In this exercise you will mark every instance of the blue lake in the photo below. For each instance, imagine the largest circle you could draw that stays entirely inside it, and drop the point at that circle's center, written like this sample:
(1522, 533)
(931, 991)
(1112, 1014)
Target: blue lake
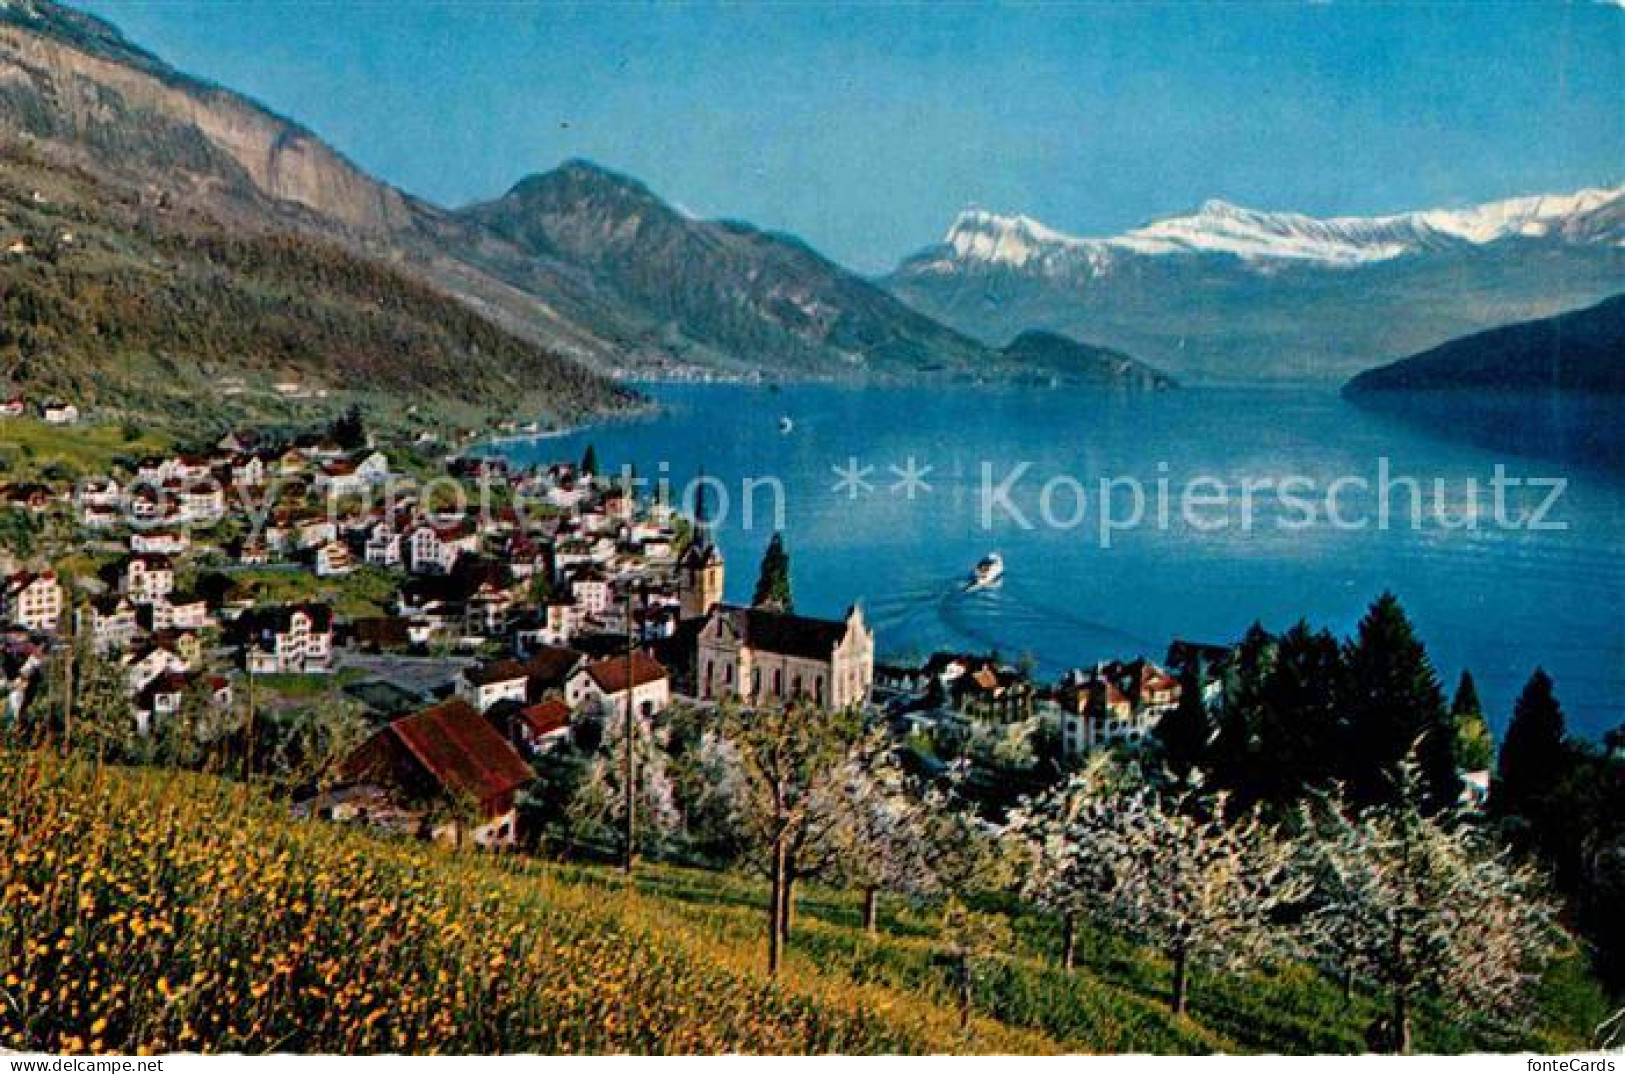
(1499, 597)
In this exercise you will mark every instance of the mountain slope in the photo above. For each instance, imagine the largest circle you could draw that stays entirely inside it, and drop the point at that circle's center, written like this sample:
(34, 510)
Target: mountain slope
(1579, 351)
(1233, 293)
(678, 298)
(75, 93)
(1067, 359)
(732, 294)
(117, 302)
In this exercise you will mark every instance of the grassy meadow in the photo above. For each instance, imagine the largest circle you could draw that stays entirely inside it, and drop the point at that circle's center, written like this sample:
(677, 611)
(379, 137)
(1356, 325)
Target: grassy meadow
(151, 911)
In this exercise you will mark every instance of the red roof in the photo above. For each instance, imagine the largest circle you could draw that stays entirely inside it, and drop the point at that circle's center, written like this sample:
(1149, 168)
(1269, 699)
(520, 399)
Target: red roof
(610, 674)
(462, 750)
(547, 717)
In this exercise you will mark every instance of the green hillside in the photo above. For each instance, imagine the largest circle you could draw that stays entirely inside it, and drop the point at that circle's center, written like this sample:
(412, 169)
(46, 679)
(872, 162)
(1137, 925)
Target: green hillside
(131, 303)
(146, 910)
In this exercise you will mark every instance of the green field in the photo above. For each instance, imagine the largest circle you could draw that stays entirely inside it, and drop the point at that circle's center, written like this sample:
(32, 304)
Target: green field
(29, 448)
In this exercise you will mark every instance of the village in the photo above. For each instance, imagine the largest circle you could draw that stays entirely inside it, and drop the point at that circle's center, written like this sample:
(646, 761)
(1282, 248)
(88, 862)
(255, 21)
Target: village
(478, 619)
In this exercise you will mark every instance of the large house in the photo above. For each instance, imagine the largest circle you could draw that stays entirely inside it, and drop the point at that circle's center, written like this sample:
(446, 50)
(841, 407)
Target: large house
(55, 412)
(343, 477)
(34, 600)
(487, 684)
(433, 549)
(604, 685)
(110, 622)
(762, 656)
(448, 754)
(1113, 703)
(290, 639)
(147, 577)
(163, 695)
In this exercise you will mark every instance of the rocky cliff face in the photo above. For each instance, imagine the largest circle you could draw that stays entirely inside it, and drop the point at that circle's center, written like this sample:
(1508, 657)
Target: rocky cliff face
(115, 108)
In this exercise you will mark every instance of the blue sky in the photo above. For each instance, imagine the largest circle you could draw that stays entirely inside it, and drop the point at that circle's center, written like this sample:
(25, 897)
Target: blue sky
(865, 128)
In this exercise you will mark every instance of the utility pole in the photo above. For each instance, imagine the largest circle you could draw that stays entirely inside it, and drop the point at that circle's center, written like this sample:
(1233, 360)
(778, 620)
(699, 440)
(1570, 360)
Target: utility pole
(630, 760)
(70, 652)
(248, 752)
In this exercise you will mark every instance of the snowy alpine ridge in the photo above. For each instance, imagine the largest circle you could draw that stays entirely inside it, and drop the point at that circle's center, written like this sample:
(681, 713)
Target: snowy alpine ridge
(1590, 217)
(1236, 294)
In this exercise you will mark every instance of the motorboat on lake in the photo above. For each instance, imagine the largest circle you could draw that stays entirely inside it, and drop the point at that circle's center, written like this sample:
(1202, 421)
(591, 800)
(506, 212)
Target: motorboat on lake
(988, 573)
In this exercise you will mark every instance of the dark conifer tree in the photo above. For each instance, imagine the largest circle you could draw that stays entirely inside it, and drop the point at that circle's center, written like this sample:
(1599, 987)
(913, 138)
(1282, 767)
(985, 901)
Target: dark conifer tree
(1300, 730)
(589, 461)
(349, 430)
(773, 581)
(1475, 746)
(1234, 755)
(1185, 733)
(1395, 708)
(1534, 756)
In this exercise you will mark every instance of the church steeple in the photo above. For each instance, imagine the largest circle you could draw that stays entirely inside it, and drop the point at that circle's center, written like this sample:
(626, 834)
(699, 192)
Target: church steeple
(700, 572)
(702, 528)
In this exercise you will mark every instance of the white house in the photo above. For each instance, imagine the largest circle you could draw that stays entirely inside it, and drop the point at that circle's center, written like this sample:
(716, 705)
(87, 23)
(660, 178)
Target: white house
(334, 559)
(435, 549)
(204, 501)
(110, 622)
(101, 492)
(141, 668)
(383, 546)
(487, 684)
(160, 542)
(294, 638)
(602, 686)
(591, 592)
(59, 413)
(344, 477)
(34, 600)
(148, 577)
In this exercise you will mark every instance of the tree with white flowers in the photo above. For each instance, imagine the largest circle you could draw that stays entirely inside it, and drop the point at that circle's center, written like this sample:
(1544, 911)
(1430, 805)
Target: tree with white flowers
(598, 803)
(797, 763)
(1418, 902)
(1181, 875)
(883, 846)
(1054, 876)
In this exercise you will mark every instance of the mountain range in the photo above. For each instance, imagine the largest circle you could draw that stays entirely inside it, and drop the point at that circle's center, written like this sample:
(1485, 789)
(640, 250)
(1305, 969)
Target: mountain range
(1229, 293)
(726, 295)
(585, 264)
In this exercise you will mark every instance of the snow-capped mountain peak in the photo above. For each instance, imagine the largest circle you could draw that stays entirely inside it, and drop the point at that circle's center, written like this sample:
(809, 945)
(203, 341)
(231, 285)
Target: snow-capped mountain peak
(977, 235)
(1217, 227)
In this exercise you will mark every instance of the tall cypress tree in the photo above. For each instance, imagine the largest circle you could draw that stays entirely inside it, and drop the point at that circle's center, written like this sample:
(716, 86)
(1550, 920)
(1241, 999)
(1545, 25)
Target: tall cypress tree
(1394, 709)
(773, 581)
(1475, 746)
(1300, 730)
(1534, 757)
(589, 461)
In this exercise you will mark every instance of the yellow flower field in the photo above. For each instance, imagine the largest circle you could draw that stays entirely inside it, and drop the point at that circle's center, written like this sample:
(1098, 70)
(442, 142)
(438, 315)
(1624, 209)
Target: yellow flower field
(153, 912)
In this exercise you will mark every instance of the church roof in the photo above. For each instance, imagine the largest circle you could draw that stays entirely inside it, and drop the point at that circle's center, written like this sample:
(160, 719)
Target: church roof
(784, 633)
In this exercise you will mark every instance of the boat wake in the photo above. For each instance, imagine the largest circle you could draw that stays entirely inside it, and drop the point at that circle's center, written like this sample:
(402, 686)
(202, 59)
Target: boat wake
(949, 615)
